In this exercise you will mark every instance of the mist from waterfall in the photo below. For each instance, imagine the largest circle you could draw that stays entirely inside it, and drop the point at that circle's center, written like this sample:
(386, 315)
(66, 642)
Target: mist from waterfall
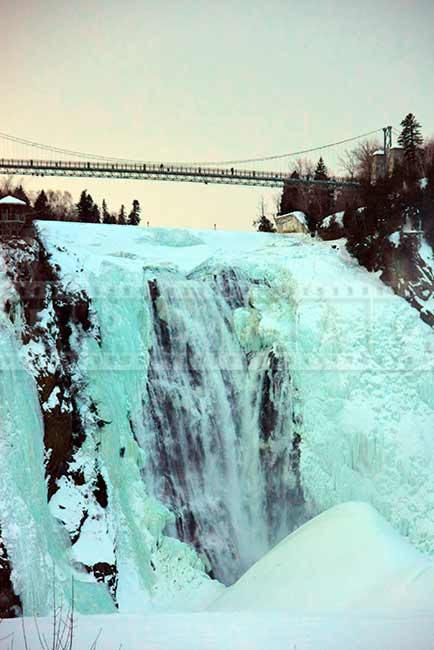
(219, 427)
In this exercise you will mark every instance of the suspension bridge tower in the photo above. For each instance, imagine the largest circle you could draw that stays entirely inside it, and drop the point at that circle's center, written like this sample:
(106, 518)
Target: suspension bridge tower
(387, 146)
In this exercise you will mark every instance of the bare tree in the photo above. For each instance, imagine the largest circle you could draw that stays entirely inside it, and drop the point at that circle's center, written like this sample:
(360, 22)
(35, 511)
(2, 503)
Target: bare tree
(349, 163)
(62, 205)
(358, 162)
(303, 166)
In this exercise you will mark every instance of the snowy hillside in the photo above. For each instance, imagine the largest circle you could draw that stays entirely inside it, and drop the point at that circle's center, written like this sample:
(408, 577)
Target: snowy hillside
(210, 387)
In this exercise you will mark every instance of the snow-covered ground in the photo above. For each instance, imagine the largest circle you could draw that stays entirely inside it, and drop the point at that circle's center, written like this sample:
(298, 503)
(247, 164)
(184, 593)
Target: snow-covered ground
(347, 558)
(343, 581)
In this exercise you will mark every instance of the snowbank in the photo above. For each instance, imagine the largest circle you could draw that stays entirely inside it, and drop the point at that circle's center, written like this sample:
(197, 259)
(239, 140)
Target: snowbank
(344, 581)
(347, 557)
(241, 631)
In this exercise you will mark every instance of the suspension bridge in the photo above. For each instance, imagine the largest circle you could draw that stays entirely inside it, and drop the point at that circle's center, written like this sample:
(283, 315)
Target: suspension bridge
(22, 157)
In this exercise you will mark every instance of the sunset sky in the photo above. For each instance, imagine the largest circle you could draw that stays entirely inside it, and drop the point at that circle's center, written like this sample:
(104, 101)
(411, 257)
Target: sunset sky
(208, 81)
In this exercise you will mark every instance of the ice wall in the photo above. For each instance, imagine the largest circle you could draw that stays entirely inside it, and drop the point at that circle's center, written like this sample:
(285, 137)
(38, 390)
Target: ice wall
(228, 387)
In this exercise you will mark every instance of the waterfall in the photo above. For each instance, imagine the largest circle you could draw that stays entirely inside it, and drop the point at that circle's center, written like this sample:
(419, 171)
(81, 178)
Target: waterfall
(219, 402)
(220, 431)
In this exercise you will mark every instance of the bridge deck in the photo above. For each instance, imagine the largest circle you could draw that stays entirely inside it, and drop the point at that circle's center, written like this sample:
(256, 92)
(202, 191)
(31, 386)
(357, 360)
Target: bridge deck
(160, 172)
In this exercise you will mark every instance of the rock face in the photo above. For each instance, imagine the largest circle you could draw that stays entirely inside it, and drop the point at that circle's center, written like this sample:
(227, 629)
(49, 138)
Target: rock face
(10, 603)
(410, 272)
(332, 227)
(407, 264)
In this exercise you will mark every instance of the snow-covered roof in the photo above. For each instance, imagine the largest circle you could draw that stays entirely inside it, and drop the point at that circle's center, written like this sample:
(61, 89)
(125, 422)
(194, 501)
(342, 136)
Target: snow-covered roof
(300, 216)
(11, 200)
(379, 152)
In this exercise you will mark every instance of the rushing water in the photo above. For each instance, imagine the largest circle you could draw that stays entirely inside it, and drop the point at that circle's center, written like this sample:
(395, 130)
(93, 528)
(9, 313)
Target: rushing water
(220, 425)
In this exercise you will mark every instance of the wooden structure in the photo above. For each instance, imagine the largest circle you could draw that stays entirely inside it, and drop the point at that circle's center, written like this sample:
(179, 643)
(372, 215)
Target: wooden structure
(15, 217)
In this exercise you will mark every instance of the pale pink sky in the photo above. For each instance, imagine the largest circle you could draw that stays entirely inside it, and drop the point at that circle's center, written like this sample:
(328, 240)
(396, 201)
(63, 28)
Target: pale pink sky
(208, 81)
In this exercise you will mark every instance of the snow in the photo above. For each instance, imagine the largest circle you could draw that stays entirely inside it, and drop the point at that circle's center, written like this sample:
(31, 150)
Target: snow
(242, 631)
(394, 238)
(337, 217)
(300, 216)
(344, 580)
(53, 399)
(348, 557)
(11, 200)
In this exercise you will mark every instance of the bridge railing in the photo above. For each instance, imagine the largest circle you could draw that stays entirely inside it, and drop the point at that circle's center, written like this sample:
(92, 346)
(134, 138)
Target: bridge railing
(162, 169)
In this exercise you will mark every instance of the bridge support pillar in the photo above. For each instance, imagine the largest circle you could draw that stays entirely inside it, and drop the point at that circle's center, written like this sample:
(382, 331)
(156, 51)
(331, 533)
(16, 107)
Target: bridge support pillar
(387, 132)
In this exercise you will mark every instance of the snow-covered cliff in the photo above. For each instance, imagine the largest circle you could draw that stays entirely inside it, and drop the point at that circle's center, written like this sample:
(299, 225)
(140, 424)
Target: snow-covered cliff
(209, 387)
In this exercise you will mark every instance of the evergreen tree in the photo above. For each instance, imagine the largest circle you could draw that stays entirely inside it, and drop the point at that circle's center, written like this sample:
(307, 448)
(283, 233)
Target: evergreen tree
(321, 173)
(42, 207)
(263, 224)
(106, 216)
(19, 193)
(95, 214)
(121, 217)
(85, 211)
(411, 140)
(134, 216)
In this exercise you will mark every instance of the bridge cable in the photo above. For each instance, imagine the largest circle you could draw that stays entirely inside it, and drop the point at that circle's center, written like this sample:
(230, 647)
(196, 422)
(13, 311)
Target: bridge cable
(53, 149)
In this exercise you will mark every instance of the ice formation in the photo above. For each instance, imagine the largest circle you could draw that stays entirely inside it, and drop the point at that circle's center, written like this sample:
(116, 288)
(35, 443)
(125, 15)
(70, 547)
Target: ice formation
(227, 387)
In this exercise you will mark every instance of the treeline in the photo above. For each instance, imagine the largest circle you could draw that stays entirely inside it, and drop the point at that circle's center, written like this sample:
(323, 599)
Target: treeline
(87, 211)
(402, 203)
(359, 165)
(55, 205)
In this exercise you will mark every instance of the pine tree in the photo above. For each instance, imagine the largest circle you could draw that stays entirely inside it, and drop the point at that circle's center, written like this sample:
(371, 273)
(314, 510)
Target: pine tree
(106, 216)
(42, 207)
(121, 217)
(411, 140)
(134, 216)
(19, 193)
(85, 211)
(95, 214)
(321, 173)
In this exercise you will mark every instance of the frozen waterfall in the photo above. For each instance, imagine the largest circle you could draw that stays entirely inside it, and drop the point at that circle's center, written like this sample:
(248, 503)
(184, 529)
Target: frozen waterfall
(183, 400)
(218, 424)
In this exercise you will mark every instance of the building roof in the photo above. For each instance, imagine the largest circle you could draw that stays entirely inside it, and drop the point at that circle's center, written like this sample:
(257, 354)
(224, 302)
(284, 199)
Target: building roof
(11, 200)
(297, 214)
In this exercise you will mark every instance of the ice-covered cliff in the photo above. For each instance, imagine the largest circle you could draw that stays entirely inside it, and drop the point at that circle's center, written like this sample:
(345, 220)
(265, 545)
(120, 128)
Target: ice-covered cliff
(209, 387)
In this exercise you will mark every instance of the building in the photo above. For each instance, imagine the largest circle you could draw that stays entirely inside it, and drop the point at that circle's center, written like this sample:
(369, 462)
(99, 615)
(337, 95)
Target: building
(292, 222)
(15, 217)
(395, 158)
